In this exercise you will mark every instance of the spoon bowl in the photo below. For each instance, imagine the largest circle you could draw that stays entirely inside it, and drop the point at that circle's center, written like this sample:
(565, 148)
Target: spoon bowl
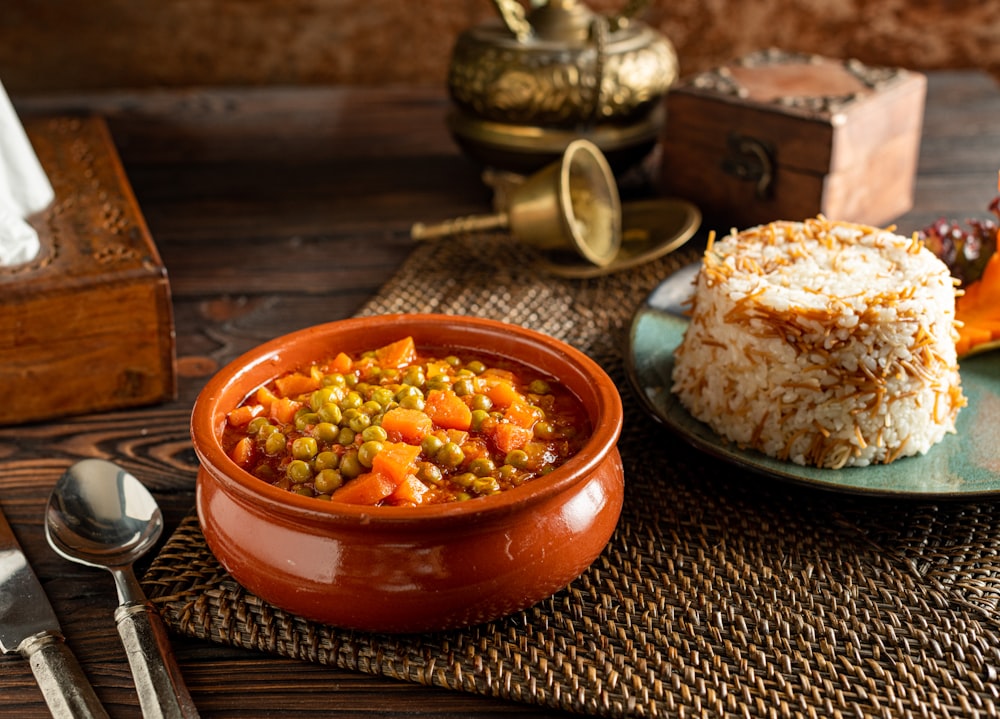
(102, 519)
(101, 516)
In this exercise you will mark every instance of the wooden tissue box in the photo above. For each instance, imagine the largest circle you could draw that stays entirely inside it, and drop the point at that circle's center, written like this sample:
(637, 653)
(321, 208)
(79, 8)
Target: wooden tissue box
(87, 325)
(782, 136)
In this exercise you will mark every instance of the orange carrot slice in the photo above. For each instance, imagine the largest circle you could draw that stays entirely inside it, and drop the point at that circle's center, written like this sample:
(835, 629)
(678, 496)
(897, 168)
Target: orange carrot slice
(397, 354)
(396, 461)
(407, 425)
(446, 409)
(369, 489)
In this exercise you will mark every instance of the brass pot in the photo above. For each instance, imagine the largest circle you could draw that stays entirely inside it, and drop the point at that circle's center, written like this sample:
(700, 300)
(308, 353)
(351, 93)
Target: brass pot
(527, 84)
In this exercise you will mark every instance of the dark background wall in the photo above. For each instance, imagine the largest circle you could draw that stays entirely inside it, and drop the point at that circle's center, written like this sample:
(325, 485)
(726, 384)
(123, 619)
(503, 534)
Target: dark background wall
(68, 45)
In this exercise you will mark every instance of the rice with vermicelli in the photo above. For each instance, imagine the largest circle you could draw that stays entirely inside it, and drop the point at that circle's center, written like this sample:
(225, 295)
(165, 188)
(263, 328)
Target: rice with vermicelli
(822, 343)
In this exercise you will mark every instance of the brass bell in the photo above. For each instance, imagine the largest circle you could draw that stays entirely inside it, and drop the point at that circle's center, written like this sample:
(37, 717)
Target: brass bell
(570, 204)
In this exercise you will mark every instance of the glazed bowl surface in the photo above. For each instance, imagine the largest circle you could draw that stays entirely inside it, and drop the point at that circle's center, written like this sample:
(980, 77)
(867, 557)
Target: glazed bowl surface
(410, 569)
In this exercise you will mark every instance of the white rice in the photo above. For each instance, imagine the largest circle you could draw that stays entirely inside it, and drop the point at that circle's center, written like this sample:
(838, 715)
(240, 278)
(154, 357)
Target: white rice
(822, 343)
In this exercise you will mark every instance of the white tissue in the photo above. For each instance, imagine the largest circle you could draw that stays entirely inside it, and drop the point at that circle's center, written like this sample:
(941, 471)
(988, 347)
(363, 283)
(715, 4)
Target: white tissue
(24, 188)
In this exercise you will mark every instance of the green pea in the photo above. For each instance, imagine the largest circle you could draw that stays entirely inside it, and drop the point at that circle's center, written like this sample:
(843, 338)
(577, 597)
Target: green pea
(298, 471)
(478, 417)
(539, 386)
(429, 473)
(322, 396)
(482, 467)
(464, 480)
(334, 379)
(326, 460)
(482, 401)
(371, 408)
(359, 423)
(275, 444)
(327, 480)
(367, 452)
(352, 400)
(383, 396)
(304, 448)
(485, 485)
(414, 376)
(350, 466)
(346, 436)
(517, 458)
(431, 445)
(266, 430)
(450, 455)
(439, 381)
(330, 412)
(545, 430)
(412, 401)
(453, 361)
(326, 432)
(463, 386)
(476, 367)
(305, 419)
(253, 427)
(375, 433)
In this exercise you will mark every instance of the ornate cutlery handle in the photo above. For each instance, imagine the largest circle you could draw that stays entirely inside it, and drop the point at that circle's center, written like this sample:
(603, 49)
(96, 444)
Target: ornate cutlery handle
(158, 680)
(67, 692)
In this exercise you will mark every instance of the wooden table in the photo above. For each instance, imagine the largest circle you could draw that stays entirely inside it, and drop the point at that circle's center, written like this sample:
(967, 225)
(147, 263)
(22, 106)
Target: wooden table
(275, 209)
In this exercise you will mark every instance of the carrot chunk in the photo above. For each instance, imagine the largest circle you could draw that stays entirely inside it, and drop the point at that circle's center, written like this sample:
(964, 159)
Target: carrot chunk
(283, 410)
(369, 488)
(446, 409)
(407, 425)
(508, 437)
(411, 492)
(295, 384)
(341, 363)
(242, 453)
(521, 413)
(396, 460)
(397, 354)
(500, 390)
(241, 416)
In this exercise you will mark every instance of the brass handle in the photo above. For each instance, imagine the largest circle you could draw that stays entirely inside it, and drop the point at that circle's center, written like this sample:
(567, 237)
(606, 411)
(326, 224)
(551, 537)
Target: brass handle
(513, 16)
(750, 159)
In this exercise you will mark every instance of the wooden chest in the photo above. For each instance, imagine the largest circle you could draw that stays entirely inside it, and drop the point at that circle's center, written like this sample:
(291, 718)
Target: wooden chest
(87, 325)
(782, 136)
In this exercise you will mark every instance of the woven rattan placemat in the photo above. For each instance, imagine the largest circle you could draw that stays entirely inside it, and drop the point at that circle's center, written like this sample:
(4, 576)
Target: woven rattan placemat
(720, 594)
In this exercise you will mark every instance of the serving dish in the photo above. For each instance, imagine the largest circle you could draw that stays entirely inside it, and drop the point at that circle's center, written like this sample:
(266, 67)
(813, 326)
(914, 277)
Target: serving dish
(410, 569)
(962, 465)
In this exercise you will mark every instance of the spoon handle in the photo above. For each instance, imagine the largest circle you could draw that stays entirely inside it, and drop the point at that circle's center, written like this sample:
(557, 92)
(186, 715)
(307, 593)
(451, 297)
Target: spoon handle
(158, 680)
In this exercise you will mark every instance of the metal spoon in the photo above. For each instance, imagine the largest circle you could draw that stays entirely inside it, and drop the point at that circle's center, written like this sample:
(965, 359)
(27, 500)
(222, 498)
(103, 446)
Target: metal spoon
(102, 516)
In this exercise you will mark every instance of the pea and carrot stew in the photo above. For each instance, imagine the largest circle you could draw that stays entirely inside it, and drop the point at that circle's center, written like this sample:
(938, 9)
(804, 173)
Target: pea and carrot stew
(395, 426)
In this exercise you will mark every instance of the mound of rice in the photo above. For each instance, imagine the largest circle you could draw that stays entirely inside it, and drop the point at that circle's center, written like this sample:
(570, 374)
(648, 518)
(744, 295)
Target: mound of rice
(822, 343)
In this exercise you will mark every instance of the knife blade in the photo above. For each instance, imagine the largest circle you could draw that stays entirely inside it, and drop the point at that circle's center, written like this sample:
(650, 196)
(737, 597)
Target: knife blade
(29, 627)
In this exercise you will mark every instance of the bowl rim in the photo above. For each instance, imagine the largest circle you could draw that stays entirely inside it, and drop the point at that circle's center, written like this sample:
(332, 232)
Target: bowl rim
(606, 421)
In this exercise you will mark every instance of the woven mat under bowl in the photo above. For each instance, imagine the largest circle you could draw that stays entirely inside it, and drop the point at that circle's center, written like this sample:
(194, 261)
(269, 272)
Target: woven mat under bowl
(720, 594)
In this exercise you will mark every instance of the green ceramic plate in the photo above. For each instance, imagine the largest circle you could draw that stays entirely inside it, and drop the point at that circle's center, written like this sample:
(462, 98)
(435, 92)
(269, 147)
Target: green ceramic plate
(965, 464)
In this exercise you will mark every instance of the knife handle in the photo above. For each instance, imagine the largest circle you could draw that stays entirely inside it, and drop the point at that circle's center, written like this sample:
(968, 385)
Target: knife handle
(65, 687)
(158, 680)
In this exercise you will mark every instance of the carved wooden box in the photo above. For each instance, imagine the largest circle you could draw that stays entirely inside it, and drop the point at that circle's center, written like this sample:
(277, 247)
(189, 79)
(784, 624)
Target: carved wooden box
(87, 325)
(781, 136)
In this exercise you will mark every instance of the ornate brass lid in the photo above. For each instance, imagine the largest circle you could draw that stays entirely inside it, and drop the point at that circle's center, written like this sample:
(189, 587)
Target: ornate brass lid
(526, 84)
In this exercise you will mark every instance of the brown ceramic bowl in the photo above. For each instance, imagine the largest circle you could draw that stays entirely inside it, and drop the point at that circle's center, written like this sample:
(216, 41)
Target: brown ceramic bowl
(408, 569)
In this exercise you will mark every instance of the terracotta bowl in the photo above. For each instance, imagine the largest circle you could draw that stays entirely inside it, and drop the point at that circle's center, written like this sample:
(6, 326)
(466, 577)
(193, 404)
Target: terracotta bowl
(409, 569)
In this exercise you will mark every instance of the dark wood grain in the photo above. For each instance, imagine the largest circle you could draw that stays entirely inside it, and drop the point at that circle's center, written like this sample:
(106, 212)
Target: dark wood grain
(274, 210)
